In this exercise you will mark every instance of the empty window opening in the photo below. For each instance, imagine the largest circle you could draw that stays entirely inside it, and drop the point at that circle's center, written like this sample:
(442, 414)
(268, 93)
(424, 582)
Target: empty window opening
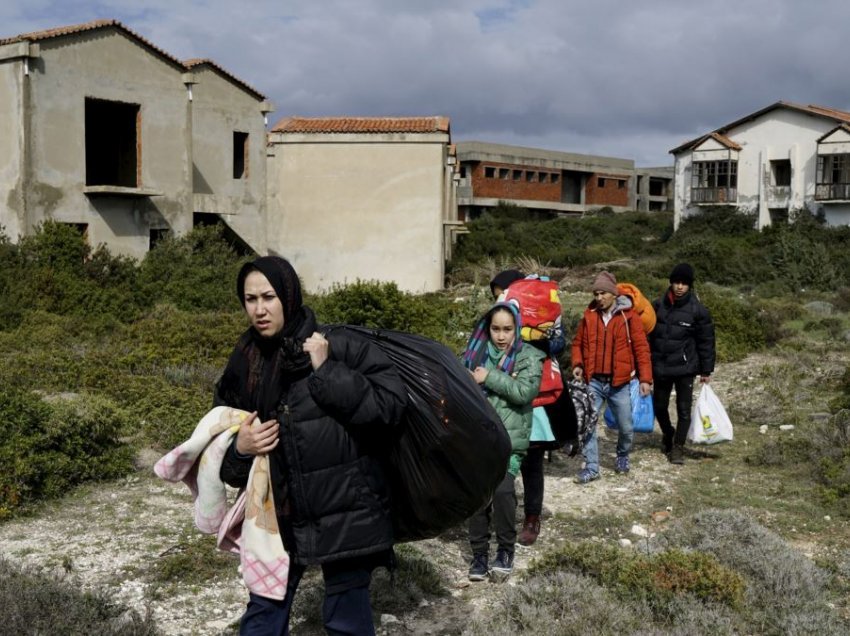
(600, 182)
(778, 215)
(157, 236)
(517, 175)
(504, 173)
(542, 177)
(780, 172)
(555, 177)
(490, 172)
(531, 176)
(657, 187)
(112, 143)
(621, 184)
(463, 172)
(240, 155)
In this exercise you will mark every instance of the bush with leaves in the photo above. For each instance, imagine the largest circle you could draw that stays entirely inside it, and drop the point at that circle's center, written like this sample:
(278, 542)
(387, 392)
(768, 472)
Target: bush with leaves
(194, 272)
(47, 448)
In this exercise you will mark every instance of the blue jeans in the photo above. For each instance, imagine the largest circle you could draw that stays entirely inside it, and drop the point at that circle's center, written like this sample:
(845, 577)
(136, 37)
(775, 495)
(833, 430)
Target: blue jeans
(620, 402)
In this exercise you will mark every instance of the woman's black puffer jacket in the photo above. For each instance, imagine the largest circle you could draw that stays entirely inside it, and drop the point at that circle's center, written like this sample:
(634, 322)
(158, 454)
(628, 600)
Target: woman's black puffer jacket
(682, 342)
(335, 424)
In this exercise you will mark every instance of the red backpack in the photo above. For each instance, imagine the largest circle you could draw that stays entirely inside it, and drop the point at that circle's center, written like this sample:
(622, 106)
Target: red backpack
(540, 311)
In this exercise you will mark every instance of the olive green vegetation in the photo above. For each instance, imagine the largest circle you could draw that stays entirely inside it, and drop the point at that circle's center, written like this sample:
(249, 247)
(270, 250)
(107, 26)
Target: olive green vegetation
(34, 603)
(101, 355)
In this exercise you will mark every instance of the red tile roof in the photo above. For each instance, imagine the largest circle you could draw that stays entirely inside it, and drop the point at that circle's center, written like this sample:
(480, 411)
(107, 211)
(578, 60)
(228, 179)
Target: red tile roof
(74, 29)
(94, 25)
(198, 61)
(839, 116)
(353, 125)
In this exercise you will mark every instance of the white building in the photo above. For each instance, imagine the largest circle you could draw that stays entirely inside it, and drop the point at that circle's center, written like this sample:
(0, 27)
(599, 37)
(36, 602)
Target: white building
(778, 160)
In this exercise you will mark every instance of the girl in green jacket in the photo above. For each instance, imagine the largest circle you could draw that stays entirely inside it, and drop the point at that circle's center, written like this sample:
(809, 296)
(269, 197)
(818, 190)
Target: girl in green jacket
(510, 376)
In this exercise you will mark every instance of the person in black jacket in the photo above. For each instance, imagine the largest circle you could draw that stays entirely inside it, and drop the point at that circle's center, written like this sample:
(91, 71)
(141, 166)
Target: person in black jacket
(682, 345)
(325, 407)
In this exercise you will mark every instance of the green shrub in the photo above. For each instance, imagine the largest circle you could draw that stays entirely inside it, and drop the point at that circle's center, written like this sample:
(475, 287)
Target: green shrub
(194, 272)
(649, 577)
(383, 305)
(738, 326)
(49, 447)
(34, 603)
(830, 454)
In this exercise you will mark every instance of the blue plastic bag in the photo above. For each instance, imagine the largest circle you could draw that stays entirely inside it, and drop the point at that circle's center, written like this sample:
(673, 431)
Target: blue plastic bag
(643, 415)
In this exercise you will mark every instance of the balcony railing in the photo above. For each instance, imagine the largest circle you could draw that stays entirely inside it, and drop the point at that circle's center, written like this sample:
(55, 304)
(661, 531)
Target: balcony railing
(714, 195)
(832, 191)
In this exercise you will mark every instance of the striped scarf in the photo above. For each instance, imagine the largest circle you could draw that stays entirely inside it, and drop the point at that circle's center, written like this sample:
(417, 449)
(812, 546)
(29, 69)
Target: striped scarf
(476, 352)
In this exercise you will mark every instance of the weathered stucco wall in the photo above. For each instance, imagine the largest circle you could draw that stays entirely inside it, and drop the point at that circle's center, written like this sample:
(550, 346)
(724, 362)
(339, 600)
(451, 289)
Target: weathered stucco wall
(11, 147)
(373, 211)
(108, 65)
(220, 108)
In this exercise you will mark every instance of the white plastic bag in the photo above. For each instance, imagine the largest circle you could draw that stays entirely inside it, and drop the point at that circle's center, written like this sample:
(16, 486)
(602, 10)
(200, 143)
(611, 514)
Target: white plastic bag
(709, 422)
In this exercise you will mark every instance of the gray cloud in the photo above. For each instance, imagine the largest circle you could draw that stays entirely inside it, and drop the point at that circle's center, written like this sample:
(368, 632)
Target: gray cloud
(629, 79)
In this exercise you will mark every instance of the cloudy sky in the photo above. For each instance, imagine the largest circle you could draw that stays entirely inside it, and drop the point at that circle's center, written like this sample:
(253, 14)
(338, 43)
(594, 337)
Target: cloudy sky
(625, 78)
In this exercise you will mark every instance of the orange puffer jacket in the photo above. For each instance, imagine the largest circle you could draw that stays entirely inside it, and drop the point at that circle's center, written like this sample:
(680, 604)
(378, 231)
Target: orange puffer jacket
(617, 349)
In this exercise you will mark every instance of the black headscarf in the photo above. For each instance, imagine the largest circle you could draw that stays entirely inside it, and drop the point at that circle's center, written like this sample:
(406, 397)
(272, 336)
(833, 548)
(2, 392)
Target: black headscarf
(502, 280)
(260, 368)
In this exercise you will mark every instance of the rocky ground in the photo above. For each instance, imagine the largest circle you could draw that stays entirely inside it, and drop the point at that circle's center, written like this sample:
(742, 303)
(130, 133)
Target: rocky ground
(107, 536)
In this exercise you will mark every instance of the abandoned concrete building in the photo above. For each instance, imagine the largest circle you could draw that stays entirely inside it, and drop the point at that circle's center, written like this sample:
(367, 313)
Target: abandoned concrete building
(103, 130)
(368, 198)
(773, 162)
(559, 182)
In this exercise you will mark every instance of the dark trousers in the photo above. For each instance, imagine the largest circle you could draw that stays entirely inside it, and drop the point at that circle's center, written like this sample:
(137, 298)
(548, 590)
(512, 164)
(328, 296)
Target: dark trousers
(346, 610)
(502, 512)
(662, 388)
(532, 480)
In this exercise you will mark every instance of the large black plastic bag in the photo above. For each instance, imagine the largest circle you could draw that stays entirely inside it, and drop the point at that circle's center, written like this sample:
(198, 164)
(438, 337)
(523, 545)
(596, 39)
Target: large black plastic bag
(452, 449)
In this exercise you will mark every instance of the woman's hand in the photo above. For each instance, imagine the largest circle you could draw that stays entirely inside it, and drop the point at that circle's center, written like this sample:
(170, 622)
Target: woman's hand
(578, 373)
(480, 374)
(257, 438)
(317, 346)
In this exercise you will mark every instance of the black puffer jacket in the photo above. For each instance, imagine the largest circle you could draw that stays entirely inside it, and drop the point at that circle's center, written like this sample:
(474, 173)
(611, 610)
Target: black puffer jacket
(682, 342)
(327, 473)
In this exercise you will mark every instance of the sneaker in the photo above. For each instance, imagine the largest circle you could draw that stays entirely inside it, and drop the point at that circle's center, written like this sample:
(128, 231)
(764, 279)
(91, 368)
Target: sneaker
(530, 530)
(478, 569)
(503, 564)
(677, 455)
(585, 476)
(622, 465)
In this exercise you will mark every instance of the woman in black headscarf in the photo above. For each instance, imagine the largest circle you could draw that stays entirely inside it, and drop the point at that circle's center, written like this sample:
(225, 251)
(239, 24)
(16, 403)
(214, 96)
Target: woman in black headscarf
(325, 406)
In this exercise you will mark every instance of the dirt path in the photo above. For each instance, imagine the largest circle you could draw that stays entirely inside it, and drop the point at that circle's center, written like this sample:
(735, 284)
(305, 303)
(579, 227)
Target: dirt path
(107, 536)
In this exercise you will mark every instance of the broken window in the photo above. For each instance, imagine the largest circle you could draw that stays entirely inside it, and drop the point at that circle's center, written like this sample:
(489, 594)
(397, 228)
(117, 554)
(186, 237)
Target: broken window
(112, 143)
(833, 179)
(780, 172)
(714, 181)
(240, 155)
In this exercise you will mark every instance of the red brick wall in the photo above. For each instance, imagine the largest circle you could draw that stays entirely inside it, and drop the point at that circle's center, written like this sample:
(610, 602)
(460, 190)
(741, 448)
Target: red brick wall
(499, 187)
(614, 191)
